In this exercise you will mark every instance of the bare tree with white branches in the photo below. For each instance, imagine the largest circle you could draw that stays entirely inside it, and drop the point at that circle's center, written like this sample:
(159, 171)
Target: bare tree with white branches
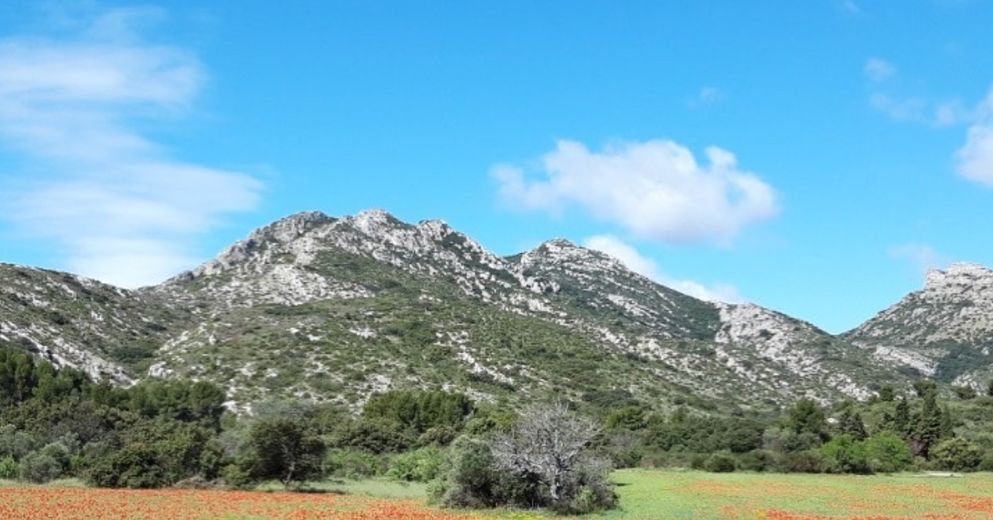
(549, 441)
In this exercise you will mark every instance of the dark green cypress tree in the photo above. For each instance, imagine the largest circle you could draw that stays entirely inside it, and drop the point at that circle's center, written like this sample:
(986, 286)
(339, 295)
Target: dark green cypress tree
(853, 425)
(927, 429)
(901, 417)
(947, 425)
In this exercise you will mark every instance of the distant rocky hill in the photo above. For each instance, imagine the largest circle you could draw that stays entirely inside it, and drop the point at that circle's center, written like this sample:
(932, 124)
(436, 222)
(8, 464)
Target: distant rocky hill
(944, 331)
(337, 308)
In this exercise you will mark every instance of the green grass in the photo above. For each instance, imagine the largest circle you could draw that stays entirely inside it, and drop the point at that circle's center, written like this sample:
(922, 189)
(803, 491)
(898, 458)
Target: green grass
(693, 495)
(62, 482)
(650, 494)
(375, 488)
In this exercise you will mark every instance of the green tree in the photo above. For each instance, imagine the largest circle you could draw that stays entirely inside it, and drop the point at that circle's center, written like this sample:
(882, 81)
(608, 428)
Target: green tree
(901, 417)
(965, 393)
(928, 425)
(806, 416)
(843, 454)
(627, 418)
(850, 423)
(957, 455)
(888, 453)
(285, 450)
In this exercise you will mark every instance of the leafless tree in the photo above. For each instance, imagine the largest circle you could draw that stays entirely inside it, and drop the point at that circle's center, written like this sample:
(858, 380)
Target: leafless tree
(548, 441)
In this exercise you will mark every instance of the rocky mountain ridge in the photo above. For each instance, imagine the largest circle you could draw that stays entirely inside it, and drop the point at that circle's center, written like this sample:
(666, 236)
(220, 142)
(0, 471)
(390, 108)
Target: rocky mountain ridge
(944, 331)
(329, 308)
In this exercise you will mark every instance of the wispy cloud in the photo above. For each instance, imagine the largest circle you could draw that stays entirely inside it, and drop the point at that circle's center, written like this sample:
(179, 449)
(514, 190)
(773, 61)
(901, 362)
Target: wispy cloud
(706, 96)
(879, 70)
(72, 109)
(882, 77)
(974, 159)
(648, 268)
(922, 257)
(654, 189)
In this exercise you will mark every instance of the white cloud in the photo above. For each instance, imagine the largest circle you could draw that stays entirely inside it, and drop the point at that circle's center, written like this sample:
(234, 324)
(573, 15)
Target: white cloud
(122, 208)
(654, 189)
(900, 109)
(921, 256)
(975, 158)
(878, 69)
(707, 96)
(905, 108)
(647, 267)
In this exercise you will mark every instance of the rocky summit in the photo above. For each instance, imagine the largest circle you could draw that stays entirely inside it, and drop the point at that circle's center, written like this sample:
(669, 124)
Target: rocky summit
(944, 331)
(335, 309)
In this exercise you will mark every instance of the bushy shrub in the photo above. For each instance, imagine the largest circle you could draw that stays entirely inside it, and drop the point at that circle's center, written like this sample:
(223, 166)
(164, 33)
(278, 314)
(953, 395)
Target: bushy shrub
(956, 454)
(283, 449)
(437, 436)
(987, 463)
(888, 453)
(758, 461)
(472, 481)
(843, 454)
(589, 488)
(132, 466)
(355, 464)
(8, 468)
(16, 444)
(783, 440)
(422, 465)
(720, 463)
(809, 461)
(39, 467)
(375, 435)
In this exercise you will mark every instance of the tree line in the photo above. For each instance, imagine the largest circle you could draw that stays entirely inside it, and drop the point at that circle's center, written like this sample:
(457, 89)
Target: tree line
(58, 423)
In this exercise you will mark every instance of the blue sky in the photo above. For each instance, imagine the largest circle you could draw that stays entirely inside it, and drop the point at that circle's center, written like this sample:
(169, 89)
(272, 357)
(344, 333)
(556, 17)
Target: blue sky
(813, 157)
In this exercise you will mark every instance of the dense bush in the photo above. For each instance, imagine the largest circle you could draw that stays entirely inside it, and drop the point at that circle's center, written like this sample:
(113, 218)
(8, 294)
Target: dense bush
(809, 461)
(40, 467)
(354, 464)
(720, 463)
(421, 465)
(420, 410)
(758, 461)
(8, 468)
(957, 454)
(888, 453)
(283, 449)
(844, 454)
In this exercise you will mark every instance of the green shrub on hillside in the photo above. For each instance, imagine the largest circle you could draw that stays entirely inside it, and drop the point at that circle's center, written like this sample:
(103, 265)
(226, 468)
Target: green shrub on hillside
(720, 463)
(956, 454)
(888, 453)
(844, 454)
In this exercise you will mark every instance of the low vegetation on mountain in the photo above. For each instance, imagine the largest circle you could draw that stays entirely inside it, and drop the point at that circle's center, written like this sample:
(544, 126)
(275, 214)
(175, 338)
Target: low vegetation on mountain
(337, 309)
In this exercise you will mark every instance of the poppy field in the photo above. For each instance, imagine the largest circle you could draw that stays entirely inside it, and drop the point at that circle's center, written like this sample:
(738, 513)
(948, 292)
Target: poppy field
(645, 494)
(76, 503)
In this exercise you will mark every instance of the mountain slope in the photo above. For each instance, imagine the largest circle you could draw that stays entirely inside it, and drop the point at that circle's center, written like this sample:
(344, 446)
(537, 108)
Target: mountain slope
(335, 308)
(110, 333)
(943, 331)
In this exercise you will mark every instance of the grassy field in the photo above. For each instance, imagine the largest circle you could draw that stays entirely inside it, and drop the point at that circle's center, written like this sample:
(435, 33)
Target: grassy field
(704, 496)
(644, 495)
